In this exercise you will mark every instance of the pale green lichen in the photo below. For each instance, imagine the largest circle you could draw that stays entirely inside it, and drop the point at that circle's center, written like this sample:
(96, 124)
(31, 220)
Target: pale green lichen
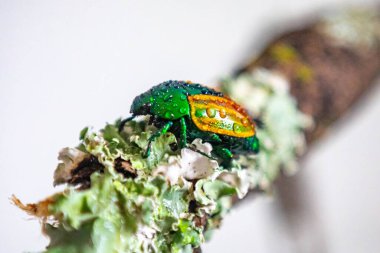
(353, 27)
(148, 213)
(266, 96)
(286, 54)
(175, 199)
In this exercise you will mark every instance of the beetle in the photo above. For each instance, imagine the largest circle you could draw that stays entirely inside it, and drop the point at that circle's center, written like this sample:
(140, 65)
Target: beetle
(193, 111)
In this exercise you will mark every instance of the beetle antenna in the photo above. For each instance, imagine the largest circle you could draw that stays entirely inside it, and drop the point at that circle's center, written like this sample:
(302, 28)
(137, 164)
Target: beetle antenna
(124, 121)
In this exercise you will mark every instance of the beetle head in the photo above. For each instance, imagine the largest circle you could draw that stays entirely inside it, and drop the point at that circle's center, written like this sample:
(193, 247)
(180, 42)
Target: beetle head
(250, 145)
(141, 104)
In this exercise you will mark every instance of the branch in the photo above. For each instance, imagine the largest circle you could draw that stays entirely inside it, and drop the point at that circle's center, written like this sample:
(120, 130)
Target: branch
(326, 75)
(119, 200)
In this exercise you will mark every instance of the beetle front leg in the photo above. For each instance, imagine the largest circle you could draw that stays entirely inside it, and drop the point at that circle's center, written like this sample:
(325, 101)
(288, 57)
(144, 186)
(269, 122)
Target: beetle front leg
(160, 132)
(200, 152)
(183, 133)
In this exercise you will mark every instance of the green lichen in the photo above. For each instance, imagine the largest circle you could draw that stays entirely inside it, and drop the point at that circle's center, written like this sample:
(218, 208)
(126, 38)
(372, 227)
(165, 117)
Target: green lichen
(167, 205)
(152, 212)
(284, 53)
(304, 73)
(265, 95)
(354, 27)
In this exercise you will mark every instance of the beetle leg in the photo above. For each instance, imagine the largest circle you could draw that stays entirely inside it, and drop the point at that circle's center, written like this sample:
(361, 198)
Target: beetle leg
(183, 133)
(160, 132)
(224, 153)
(215, 137)
(124, 121)
(200, 152)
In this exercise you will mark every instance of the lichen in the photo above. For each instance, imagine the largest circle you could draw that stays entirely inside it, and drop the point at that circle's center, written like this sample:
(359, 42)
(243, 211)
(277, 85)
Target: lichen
(265, 95)
(285, 54)
(172, 200)
(355, 27)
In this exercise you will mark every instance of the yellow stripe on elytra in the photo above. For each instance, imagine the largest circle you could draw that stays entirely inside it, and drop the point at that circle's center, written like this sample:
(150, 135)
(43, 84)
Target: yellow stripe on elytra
(228, 121)
(216, 126)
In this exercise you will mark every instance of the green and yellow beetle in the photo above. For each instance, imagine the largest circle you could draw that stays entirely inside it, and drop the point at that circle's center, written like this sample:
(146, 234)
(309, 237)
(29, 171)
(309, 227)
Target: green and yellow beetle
(193, 111)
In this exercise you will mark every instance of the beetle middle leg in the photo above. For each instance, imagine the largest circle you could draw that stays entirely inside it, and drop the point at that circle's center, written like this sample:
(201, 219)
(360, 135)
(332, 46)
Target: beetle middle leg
(215, 138)
(160, 132)
(223, 153)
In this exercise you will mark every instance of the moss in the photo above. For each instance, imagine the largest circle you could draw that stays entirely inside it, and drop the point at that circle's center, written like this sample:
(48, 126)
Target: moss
(284, 53)
(304, 73)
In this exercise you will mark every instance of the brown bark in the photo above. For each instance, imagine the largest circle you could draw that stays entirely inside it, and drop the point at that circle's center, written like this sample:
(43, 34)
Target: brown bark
(326, 78)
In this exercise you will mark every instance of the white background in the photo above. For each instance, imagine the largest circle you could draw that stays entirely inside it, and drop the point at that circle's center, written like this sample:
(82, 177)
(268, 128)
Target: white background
(68, 64)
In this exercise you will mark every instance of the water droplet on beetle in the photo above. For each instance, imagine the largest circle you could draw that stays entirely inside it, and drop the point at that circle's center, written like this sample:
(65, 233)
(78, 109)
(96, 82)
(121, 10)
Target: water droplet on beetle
(183, 97)
(182, 110)
(245, 122)
(169, 115)
(211, 112)
(199, 113)
(236, 128)
(168, 97)
(222, 113)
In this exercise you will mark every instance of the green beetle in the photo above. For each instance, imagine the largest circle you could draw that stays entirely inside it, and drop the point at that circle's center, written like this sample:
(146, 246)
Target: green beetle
(193, 111)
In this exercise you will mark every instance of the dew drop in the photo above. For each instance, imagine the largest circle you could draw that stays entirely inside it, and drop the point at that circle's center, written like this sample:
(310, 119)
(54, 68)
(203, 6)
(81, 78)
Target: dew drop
(211, 112)
(222, 113)
(237, 128)
(168, 98)
(183, 97)
(182, 110)
(199, 113)
(168, 115)
(245, 122)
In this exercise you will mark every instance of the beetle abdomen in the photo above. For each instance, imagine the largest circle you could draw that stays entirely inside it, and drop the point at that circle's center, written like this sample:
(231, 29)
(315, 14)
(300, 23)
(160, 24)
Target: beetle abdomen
(220, 115)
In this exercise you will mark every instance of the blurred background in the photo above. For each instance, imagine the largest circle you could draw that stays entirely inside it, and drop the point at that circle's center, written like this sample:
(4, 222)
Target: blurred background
(68, 64)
